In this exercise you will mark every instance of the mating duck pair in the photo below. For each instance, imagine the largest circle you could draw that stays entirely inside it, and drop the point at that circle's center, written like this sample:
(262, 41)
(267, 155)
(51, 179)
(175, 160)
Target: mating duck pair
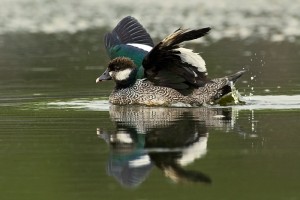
(166, 74)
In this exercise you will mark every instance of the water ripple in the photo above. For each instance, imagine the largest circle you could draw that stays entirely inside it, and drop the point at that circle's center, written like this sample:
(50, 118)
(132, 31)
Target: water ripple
(95, 105)
(273, 102)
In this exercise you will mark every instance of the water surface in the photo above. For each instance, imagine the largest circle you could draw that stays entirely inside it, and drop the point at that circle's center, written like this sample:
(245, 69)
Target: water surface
(60, 138)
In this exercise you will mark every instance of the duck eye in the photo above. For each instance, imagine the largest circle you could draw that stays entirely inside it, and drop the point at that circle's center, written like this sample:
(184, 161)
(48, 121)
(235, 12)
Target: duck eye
(117, 68)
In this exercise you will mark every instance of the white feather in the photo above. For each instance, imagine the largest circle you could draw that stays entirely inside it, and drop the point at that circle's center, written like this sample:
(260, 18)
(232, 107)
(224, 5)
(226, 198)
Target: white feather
(190, 57)
(122, 137)
(141, 46)
(122, 75)
(195, 151)
(140, 161)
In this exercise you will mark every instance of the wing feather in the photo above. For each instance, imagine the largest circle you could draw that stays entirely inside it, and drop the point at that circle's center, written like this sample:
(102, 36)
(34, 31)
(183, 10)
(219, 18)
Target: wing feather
(169, 64)
(128, 30)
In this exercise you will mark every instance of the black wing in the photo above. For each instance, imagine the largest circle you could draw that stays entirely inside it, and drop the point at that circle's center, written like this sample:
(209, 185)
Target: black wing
(170, 65)
(128, 30)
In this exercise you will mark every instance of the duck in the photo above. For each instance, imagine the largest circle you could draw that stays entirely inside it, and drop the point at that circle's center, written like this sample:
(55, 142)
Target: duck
(128, 39)
(172, 75)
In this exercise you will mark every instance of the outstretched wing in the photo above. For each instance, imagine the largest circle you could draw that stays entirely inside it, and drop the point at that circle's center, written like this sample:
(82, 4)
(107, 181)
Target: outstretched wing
(170, 65)
(128, 30)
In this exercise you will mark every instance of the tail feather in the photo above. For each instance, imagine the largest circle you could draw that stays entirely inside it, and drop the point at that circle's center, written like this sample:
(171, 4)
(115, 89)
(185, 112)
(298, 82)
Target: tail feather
(236, 76)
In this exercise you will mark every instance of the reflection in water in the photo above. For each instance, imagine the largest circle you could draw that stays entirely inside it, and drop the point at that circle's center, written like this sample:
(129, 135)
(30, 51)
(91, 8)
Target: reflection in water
(168, 138)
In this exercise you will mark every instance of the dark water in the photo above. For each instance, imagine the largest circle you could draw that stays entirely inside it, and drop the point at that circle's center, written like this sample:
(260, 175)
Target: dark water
(60, 139)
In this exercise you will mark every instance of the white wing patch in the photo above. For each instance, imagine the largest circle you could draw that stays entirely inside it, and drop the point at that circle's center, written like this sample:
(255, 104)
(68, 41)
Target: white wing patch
(195, 151)
(192, 58)
(141, 46)
(140, 161)
(122, 75)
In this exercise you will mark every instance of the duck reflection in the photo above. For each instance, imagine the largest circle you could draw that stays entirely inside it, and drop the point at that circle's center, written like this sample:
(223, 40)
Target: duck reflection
(168, 138)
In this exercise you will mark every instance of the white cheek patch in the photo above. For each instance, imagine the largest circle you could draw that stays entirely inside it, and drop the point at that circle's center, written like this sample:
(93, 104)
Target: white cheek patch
(123, 75)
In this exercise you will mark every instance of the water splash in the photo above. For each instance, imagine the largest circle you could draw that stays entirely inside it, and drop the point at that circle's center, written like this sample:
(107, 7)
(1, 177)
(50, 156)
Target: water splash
(270, 102)
(257, 61)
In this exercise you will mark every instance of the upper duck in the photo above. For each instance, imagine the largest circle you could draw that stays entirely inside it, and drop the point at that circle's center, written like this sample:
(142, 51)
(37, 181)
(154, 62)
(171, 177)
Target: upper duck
(172, 75)
(128, 39)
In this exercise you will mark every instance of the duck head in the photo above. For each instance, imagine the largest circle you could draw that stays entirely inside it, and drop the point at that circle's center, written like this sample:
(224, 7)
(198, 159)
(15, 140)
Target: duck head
(122, 70)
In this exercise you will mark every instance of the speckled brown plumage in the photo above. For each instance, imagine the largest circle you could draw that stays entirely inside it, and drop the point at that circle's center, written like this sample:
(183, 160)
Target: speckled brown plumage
(144, 92)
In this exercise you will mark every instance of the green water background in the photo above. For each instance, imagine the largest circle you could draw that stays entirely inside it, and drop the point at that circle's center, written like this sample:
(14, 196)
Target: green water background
(51, 153)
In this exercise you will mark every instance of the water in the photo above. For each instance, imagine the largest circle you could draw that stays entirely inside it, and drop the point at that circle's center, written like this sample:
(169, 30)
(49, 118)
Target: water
(60, 138)
(230, 18)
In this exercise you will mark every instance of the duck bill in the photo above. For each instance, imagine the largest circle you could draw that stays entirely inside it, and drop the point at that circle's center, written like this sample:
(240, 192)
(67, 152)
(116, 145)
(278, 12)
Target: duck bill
(104, 77)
